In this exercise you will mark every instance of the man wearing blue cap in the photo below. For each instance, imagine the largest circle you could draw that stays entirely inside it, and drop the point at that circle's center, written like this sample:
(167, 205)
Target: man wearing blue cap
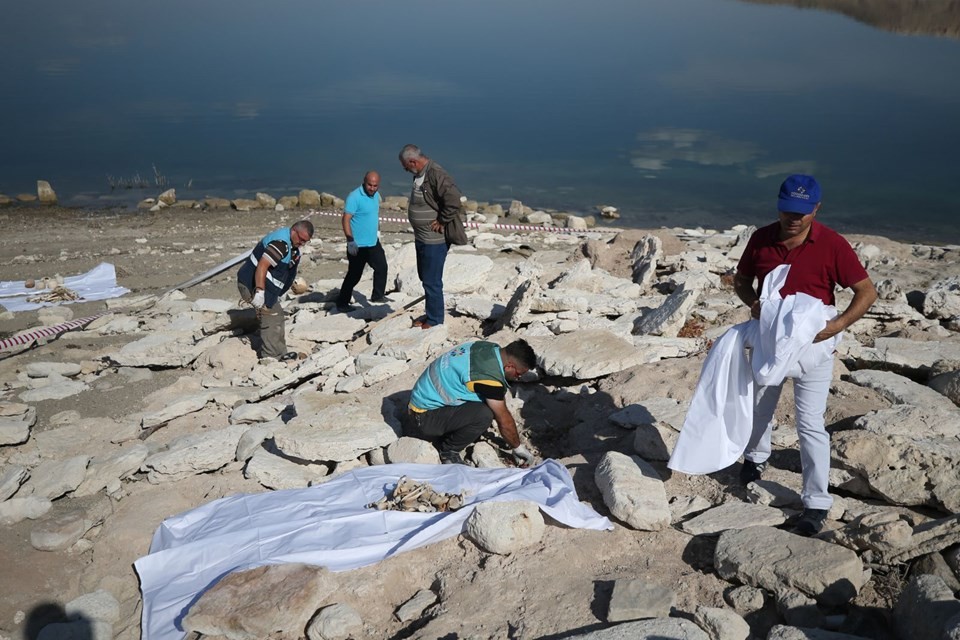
(819, 259)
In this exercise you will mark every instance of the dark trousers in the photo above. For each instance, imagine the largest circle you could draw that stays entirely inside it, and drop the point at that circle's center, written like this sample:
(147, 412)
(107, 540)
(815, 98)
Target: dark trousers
(372, 256)
(430, 261)
(450, 428)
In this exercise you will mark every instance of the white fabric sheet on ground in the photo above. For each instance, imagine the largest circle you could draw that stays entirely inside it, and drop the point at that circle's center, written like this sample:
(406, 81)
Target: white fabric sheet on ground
(328, 525)
(99, 283)
(719, 420)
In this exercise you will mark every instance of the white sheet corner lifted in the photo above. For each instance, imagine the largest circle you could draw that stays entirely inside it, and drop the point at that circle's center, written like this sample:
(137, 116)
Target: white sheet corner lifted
(328, 525)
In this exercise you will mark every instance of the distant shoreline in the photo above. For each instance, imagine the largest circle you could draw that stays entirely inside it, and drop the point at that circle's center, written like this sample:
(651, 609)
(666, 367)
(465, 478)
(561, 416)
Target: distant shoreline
(125, 201)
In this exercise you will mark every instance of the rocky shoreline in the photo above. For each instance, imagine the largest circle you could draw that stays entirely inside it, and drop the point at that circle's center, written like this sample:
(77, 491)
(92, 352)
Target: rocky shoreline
(162, 406)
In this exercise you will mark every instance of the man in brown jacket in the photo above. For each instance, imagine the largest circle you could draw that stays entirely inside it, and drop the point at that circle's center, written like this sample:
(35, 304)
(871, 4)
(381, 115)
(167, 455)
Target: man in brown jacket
(435, 212)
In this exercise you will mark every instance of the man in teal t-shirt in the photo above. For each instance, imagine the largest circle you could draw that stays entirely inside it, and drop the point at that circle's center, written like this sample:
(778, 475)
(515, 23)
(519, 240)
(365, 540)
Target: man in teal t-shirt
(361, 226)
(462, 391)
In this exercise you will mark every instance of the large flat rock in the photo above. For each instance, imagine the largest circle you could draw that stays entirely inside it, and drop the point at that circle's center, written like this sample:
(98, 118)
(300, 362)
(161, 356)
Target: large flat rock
(585, 355)
(654, 629)
(337, 433)
(733, 515)
(772, 559)
(901, 390)
(255, 604)
(905, 454)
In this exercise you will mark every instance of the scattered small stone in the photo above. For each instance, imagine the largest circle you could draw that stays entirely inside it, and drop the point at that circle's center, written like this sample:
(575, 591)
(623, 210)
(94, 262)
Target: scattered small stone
(637, 598)
(413, 608)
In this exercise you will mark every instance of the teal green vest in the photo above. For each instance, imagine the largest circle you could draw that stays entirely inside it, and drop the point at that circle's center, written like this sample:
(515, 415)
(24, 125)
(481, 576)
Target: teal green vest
(449, 380)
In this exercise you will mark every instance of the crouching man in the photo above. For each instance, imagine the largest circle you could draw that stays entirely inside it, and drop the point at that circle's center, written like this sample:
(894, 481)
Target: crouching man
(455, 399)
(265, 276)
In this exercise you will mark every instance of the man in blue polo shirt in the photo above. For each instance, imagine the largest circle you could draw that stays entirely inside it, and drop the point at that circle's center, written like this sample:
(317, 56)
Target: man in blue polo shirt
(361, 226)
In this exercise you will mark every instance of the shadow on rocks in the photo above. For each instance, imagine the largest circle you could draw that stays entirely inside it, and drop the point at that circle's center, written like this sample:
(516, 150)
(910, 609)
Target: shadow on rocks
(602, 591)
(49, 621)
(699, 552)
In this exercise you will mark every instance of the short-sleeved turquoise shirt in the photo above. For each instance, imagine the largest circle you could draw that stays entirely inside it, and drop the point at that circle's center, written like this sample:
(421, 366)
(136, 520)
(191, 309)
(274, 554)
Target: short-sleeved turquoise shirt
(365, 223)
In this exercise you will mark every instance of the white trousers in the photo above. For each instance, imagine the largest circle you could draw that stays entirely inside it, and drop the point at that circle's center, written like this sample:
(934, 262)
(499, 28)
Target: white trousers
(810, 390)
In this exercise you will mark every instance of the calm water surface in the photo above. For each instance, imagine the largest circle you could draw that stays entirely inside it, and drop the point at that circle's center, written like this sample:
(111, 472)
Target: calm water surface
(679, 112)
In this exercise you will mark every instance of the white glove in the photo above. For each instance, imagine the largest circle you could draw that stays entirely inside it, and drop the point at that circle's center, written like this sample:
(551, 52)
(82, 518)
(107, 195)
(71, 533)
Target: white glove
(523, 457)
(258, 299)
(352, 248)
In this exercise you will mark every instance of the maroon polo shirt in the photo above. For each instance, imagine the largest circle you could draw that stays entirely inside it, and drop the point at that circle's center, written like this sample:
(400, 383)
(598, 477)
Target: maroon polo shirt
(824, 260)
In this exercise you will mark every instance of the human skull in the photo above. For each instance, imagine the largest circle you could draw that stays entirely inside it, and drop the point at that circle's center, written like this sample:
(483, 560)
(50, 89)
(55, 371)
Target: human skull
(300, 286)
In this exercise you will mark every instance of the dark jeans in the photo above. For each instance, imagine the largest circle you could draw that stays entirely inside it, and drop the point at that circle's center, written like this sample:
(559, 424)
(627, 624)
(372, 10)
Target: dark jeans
(372, 256)
(430, 261)
(450, 428)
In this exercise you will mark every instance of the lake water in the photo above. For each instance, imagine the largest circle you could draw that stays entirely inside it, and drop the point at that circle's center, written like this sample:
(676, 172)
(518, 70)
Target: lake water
(679, 112)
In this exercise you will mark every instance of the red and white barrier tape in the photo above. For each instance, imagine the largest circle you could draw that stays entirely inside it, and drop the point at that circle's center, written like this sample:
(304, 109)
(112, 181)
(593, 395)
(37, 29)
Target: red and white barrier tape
(47, 332)
(495, 225)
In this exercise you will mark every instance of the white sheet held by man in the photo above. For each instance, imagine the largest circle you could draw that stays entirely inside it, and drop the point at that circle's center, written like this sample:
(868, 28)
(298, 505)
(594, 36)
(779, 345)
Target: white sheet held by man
(795, 328)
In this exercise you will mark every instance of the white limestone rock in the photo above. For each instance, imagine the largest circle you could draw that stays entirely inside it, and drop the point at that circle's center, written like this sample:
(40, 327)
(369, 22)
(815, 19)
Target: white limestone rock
(58, 388)
(335, 622)
(485, 456)
(16, 510)
(772, 559)
(269, 601)
(585, 355)
(276, 472)
(652, 629)
(161, 349)
(326, 359)
(11, 477)
(901, 390)
(62, 528)
(108, 470)
(404, 342)
(733, 515)
(193, 454)
(645, 256)
(412, 450)
(184, 406)
(463, 273)
(669, 318)
(633, 491)
(98, 605)
(413, 608)
(45, 193)
(337, 433)
(376, 368)
(480, 308)
(213, 304)
(635, 598)
(657, 422)
(942, 299)
(505, 527)
(16, 429)
(47, 369)
(721, 624)
(53, 478)
(338, 327)
(256, 413)
(349, 384)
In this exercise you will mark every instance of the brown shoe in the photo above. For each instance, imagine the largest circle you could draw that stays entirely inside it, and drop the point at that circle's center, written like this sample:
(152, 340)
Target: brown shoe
(419, 322)
(424, 325)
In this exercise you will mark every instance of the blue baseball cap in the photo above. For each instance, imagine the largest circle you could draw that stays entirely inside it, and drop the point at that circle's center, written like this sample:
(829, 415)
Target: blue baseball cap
(798, 194)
